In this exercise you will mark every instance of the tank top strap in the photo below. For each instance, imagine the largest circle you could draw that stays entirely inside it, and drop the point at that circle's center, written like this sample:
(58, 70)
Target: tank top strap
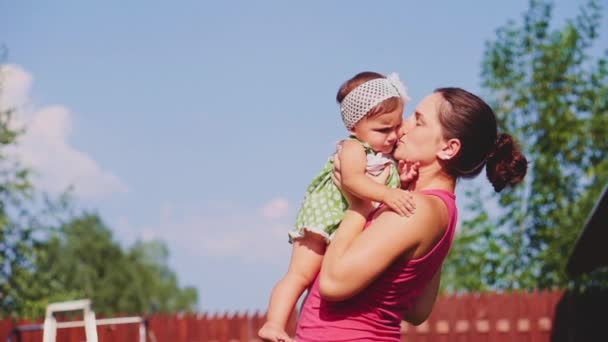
(448, 198)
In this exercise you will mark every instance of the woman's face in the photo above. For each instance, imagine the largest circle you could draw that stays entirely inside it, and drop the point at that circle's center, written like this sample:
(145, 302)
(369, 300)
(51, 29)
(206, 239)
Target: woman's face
(422, 139)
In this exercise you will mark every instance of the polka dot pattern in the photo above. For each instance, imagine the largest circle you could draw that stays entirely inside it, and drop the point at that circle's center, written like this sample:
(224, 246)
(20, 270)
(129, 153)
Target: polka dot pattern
(324, 204)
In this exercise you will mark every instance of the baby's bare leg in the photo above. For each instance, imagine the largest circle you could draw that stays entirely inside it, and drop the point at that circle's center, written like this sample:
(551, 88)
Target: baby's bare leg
(306, 257)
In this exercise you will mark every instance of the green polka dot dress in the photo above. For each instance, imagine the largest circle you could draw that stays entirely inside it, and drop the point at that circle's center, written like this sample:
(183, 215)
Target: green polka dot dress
(324, 204)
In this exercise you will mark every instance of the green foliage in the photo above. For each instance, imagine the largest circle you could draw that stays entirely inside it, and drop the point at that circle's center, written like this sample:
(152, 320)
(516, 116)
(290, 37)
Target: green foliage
(18, 225)
(48, 255)
(551, 93)
(82, 260)
(26, 218)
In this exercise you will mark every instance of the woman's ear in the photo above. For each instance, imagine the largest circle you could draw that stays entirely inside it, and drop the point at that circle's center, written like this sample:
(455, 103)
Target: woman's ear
(449, 150)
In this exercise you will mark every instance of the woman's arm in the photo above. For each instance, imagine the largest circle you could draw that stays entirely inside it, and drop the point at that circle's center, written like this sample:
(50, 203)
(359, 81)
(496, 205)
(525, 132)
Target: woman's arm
(356, 257)
(424, 304)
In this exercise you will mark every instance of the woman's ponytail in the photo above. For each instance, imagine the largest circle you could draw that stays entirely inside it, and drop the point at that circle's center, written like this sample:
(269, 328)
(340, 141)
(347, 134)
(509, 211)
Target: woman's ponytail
(506, 164)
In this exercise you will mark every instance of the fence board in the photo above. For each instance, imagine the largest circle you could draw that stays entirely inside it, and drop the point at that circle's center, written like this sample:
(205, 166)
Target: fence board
(496, 317)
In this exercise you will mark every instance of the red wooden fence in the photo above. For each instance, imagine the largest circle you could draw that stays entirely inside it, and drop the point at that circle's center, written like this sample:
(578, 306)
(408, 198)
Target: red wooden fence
(521, 316)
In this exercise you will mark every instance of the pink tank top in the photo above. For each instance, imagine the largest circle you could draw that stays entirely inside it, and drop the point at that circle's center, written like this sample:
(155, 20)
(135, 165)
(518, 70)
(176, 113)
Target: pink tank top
(375, 313)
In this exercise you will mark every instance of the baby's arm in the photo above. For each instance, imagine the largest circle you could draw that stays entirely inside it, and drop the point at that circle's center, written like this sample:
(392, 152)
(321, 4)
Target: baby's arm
(353, 162)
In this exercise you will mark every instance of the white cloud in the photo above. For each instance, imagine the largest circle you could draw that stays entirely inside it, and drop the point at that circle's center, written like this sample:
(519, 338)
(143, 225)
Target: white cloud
(226, 232)
(45, 148)
(15, 86)
(276, 208)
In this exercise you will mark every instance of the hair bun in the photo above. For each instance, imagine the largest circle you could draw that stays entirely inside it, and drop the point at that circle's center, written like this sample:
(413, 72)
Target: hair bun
(506, 165)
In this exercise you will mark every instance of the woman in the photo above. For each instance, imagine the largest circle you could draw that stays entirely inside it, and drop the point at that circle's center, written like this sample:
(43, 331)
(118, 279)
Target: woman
(381, 267)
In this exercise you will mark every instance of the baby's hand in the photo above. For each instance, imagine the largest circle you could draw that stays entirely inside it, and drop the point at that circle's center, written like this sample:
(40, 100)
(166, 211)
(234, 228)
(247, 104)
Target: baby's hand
(401, 201)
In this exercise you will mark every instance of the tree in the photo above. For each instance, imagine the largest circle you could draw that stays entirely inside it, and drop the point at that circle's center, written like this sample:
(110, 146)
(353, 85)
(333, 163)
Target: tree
(21, 225)
(157, 285)
(81, 260)
(548, 90)
(48, 254)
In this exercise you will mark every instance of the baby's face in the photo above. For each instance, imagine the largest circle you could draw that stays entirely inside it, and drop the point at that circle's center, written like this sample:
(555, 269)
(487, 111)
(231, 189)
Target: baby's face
(381, 131)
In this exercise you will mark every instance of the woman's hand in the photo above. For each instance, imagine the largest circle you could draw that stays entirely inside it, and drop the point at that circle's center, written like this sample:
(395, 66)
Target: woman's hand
(408, 173)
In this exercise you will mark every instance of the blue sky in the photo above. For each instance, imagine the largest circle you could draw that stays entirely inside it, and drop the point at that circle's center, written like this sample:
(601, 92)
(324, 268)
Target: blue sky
(201, 123)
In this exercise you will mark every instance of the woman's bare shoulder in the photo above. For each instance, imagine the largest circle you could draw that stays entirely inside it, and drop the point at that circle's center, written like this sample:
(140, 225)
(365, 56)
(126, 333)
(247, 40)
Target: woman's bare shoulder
(432, 207)
(429, 210)
(432, 224)
(428, 221)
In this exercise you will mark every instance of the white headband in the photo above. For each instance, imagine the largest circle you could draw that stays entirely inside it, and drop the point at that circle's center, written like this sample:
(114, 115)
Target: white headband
(366, 96)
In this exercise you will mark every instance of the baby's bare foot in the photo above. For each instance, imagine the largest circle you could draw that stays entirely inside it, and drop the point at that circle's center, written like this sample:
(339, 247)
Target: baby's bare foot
(274, 333)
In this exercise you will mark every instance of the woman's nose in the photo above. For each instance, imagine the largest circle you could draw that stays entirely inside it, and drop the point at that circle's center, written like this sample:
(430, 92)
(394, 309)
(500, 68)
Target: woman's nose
(407, 126)
(402, 130)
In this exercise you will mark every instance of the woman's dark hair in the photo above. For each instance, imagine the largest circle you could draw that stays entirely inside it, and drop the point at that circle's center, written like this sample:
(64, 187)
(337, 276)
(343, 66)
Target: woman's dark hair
(466, 117)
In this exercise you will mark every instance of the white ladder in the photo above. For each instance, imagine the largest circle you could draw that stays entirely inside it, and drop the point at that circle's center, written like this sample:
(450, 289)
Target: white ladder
(49, 332)
(89, 322)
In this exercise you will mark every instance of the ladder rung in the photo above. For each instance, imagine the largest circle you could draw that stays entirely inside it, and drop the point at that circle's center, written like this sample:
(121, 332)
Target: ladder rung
(69, 306)
(101, 321)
